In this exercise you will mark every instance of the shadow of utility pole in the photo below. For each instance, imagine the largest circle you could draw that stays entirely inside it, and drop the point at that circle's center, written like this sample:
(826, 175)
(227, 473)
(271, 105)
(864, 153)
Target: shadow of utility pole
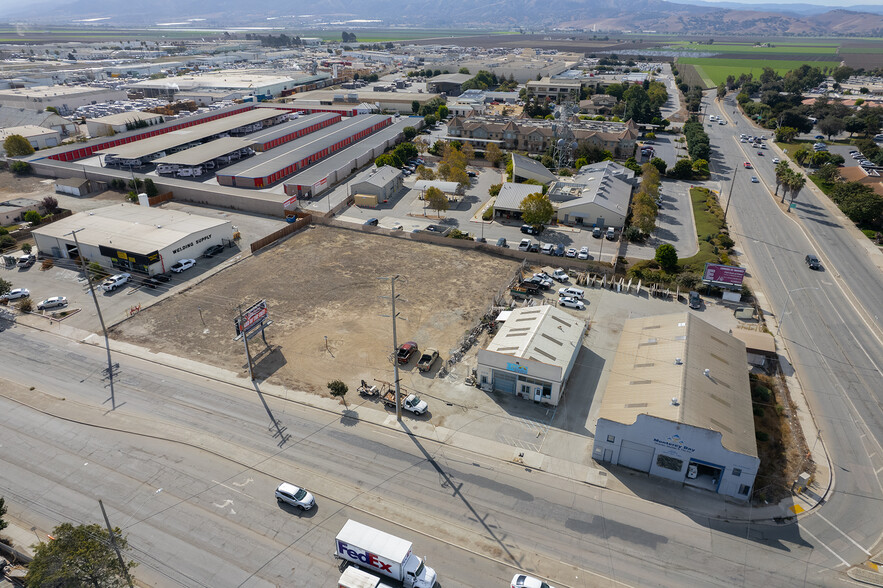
(280, 430)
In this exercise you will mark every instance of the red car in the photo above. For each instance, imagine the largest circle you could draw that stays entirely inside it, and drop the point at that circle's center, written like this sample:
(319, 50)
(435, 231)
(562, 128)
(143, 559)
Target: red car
(747, 165)
(406, 351)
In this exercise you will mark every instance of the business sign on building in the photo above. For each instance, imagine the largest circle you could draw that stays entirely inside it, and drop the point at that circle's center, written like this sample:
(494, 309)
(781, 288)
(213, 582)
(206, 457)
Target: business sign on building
(290, 203)
(723, 275)
(252, 319)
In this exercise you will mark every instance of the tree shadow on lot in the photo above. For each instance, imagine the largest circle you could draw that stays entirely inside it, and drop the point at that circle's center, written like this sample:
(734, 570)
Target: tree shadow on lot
(662, 234)
(267, 361)
(827, 223)
(349, 418)
(669, 219)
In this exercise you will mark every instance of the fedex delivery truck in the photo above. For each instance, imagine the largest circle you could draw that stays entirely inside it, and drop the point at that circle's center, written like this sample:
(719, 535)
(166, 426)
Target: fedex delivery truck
(382, 553)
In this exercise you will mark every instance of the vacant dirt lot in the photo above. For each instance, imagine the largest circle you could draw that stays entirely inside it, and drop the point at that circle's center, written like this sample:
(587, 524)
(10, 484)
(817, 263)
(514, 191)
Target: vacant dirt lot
(323, 282)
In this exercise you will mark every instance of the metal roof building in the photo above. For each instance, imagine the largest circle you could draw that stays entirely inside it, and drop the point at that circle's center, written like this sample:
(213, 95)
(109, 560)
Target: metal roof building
(317, 178)
(510, 197)
(145, 148)
(532, 354)
(271, 166)
(678, 405)
(133, 238)
(207, 152)
(277, 135)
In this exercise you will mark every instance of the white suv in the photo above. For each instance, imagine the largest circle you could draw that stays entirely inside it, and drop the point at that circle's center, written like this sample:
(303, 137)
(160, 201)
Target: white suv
(295, 496)
(114, 282)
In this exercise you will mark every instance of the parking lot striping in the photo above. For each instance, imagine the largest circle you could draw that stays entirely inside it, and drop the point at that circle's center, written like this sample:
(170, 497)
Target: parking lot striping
(817, 540)
(844, 534)
(878, 470)
(518, 443)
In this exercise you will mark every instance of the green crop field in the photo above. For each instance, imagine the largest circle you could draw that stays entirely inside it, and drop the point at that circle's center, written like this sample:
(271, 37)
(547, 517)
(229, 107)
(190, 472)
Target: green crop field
(860, 50)
(745, 48)
(715, 70)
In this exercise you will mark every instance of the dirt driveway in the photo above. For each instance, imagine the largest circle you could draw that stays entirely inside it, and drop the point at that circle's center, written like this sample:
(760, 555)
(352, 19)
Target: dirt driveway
(324, 282)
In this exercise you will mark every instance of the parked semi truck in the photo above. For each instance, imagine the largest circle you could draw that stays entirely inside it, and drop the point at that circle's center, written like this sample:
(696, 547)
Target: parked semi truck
(384, 554)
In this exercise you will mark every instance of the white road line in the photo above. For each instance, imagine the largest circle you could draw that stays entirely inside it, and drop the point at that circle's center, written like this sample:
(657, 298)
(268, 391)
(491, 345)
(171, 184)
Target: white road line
(878, 470)
(844, 534)
(817, 540)
(233, 489)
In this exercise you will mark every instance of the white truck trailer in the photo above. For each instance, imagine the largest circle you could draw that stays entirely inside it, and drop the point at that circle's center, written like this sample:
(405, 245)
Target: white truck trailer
(382, 553)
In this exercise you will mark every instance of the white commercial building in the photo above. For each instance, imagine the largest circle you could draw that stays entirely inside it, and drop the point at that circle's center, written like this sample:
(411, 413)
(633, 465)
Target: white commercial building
(106, 126)
(63, 98)
(678, 405)
(38, 137)
(133, 238)
(598, 195)
(533, 354)
(383, 182)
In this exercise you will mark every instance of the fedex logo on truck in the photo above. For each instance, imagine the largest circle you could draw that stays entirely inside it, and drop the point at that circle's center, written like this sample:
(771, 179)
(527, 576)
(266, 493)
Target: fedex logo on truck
(366, 557)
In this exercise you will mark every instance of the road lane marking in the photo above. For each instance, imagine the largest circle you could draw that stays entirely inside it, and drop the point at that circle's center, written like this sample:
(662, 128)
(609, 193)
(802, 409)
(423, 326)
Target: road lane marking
(844, 534)
(819, 541)
(878, 470)
(233, 489)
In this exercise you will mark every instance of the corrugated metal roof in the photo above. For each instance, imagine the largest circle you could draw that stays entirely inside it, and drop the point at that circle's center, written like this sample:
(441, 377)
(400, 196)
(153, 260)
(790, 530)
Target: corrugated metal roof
(511, 195)
(541, 333)
(645, 377)
(202, 153)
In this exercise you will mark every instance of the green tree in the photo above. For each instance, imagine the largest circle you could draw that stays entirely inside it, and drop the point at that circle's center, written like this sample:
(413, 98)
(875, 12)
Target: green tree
(795, 184)
(786, 134)
(853, 124)
(20, 168)
(536, 210)
(831, 125)
(700, 166)
(436, 200)
(464, 70)
(802, 154)
(659, 164)
(17, 146)
(389, 159)
(667, 257)
(442, 112)
(26, 248)
(150, 188)
(424, 173)
(782, 172)
(721, 91)
(682, 170)
(79, 555)
(430, 120)
(494, 190)
(493, 154)
(33, 217)
(409, 133)
(405, 151)
(338, 389)
(50, 203)
(863, 207)
(415, 107)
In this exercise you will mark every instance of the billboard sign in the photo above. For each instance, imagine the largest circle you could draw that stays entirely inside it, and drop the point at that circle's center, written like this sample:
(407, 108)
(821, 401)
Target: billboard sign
(251, 319)
(723, 275)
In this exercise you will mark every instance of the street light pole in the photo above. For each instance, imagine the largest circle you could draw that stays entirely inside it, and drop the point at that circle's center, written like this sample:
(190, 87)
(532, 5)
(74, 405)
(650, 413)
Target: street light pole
(395, 347)
(100, 318)
(787, 302)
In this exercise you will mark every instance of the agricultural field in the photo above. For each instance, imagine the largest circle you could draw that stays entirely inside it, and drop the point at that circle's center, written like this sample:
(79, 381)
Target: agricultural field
(714, 71)
(749, 48)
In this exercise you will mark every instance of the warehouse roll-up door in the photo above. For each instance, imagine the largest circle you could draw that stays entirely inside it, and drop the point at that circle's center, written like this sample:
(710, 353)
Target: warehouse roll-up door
(636, 456)
(505, 381)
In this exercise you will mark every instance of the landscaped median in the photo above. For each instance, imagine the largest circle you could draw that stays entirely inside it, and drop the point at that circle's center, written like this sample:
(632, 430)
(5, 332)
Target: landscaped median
(714, 246)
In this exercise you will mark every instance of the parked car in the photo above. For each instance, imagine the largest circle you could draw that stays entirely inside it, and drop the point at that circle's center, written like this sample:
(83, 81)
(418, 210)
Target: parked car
(295, 496)
(26, 260)
(694, 300)
(571, 252)
(183, 264)
(427, 359)
(547, 249)
(54, 302)
(114, 282)
(596, 232)
(611, 234)
(212, 251)
(480, 240)
(524, 245)
(406, 351)
(530, 230)
(16, 294)
(583, 253)
(559, 250)
(571, 302)
(560, 275)
(813, 262)
(372, 222)
(534, 247)
(524, 581)
(471, 174)
(501, 242)
(571, 292)
(540, 281)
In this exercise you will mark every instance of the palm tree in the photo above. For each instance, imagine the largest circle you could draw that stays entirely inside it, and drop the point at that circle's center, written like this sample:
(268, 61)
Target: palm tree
(782, 171)
(796, 185)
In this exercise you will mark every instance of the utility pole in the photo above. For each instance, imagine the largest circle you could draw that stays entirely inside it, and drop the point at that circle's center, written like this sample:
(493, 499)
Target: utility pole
(110, 365)
(395, 347)
(113, 543)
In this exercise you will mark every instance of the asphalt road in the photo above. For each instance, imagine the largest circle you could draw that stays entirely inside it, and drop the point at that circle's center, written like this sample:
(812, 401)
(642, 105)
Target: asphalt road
(830, 326)
(214, 523)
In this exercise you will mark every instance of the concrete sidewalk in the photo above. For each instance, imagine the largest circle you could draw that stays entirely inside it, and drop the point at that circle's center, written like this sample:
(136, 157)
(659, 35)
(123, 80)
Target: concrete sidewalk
(617, 479)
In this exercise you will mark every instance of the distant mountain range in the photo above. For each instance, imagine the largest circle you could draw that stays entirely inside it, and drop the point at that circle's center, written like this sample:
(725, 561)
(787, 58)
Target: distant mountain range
(698, 17)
